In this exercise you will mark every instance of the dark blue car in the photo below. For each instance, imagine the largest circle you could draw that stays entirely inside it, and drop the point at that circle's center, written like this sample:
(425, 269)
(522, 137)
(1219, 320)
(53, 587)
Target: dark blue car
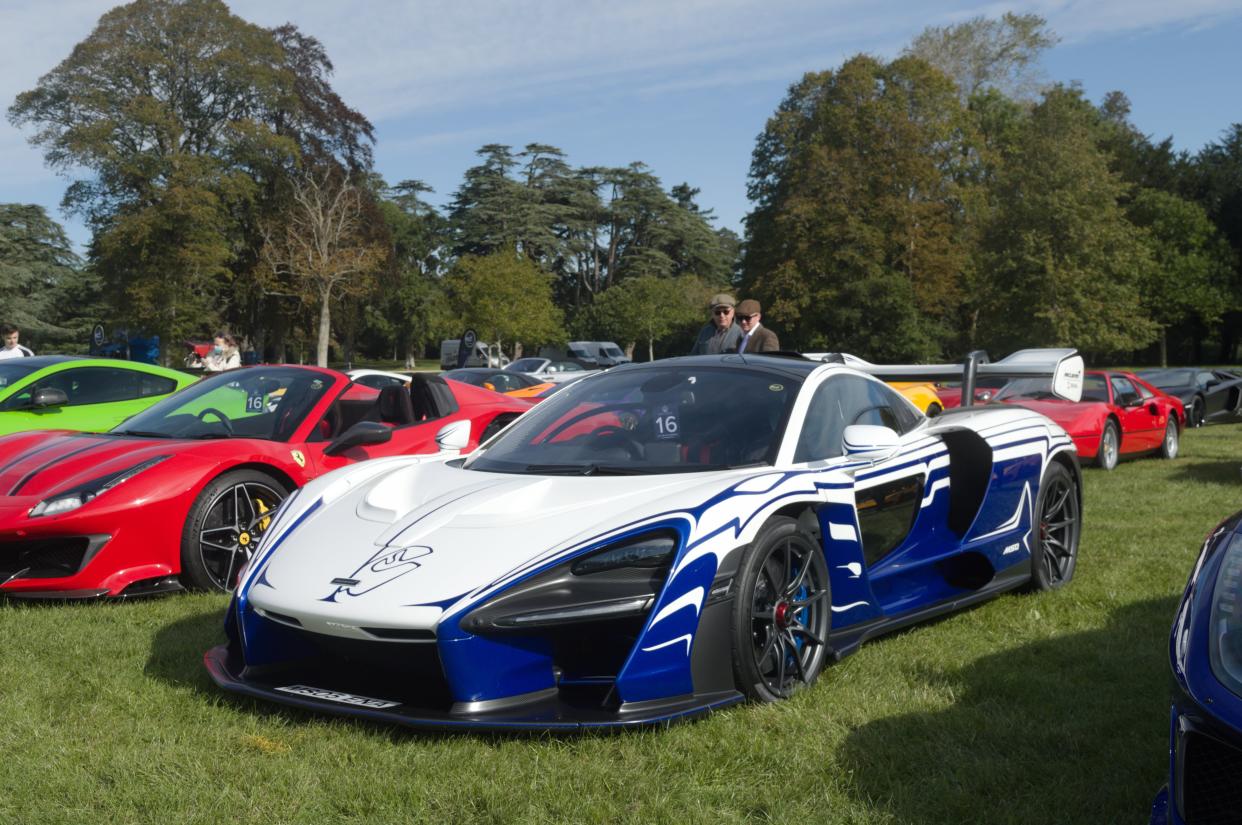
(1205, 721)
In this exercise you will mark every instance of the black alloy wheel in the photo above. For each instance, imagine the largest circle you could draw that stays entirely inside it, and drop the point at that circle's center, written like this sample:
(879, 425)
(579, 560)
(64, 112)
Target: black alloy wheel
(1195, 416)
(224, 527)
(782, 613)
(1058, 524)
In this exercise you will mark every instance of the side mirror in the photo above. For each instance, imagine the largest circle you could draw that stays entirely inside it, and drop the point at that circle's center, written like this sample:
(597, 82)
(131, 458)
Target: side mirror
(48, 397)
(453, 437)
(1153, 408)
(359, 435)
(869, 441)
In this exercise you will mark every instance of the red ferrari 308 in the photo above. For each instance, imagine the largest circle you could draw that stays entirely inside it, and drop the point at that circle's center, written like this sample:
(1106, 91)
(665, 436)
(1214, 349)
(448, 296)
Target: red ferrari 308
(179, 495)
(1120, 414)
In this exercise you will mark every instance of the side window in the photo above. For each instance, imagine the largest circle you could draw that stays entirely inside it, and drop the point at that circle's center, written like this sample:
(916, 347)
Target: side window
(155, 385)
(93, 385)
(1124, 394)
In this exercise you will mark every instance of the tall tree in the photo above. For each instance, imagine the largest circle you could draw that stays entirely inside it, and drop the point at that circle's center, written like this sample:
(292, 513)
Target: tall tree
(1064, 266)
(1193, 263)
(1217, 185)
(648, 308)
(859, 181)
(985, 53)
(35, 259)
(324, 248)
(169, 103)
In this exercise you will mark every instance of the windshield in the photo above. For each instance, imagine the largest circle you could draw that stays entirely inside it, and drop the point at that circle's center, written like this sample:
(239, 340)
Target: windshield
(649, 420)
(10, 374)
(526, 365)
(612, 351)
(255, 402)
(1094, 388)
(1172, 378)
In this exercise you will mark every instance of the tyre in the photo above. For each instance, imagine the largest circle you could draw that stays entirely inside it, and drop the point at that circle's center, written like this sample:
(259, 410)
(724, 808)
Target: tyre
(1194, 416)
(1170, 445)
(782, 612)
(1110, 446)
(1058, 524)
(224, 526)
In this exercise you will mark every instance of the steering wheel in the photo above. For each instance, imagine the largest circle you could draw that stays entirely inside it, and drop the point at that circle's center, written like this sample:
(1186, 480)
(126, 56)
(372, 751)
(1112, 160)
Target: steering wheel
(224, 419)
(600, 438)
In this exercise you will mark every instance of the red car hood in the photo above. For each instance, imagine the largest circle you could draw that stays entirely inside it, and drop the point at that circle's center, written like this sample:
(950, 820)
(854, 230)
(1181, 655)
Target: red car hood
(39, 464)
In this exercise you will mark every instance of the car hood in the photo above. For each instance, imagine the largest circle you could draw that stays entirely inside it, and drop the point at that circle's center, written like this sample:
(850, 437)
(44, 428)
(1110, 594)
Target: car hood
(413, 537)
(44, 463)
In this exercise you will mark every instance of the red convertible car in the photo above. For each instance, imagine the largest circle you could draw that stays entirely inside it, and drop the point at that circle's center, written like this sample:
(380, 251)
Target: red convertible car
(179, 495)
(1120, 414)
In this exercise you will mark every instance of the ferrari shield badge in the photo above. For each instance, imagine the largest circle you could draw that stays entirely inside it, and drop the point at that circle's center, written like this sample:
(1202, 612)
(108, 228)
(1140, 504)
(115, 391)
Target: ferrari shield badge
(298, 457)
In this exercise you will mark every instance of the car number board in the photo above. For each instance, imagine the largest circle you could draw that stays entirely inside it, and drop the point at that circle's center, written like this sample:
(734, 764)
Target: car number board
(338, 696)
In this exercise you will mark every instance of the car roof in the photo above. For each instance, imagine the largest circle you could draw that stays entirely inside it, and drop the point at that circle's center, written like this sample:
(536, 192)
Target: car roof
(40, 361)
(792, 365)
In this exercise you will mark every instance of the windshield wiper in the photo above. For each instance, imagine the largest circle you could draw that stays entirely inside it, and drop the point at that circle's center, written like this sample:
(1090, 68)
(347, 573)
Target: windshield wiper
(560, 469)
(141, 433)
(209, 435)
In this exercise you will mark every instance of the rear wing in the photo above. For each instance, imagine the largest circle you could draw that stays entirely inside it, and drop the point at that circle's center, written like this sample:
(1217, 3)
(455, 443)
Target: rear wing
(1063, 366)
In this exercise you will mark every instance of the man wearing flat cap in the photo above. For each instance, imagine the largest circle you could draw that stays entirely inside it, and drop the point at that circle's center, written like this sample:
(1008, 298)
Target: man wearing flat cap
(721, 334)
(755, 336)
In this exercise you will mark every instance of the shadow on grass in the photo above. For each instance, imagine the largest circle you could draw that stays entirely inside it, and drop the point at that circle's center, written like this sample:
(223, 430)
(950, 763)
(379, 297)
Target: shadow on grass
(1068, 729)
(1227, 473)
(177, 651)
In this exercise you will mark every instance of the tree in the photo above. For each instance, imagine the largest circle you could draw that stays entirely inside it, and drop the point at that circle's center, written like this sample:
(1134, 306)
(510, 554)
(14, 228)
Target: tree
(176, 109)
(1063, 265)
(648, 308)
(859, 182)
(1216, 183)
(413, 302)
(506, 297)
(982, 53)
(1191, 276)
(322, 246)
(35, 259)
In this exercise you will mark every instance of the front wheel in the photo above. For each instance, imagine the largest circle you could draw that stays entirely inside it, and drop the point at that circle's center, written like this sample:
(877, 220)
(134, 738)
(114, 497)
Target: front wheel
(224, 526)
(1058, 524)
(781, 614)
(1195, 417)
(1110, 446)
(1170, 445)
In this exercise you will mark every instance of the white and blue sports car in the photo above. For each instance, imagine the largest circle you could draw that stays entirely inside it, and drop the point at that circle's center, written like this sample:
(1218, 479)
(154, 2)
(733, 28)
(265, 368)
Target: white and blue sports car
(653, 542)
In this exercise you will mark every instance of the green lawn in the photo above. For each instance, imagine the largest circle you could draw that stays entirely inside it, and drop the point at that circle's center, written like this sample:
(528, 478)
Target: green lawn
(1029, 709)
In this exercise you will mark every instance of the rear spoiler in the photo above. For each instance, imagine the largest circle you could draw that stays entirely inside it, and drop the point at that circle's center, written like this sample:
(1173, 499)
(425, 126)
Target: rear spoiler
(1063, 366)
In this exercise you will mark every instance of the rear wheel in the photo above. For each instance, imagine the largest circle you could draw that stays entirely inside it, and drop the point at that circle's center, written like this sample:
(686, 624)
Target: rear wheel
(224, 526)
(1170, 445)
(1058, 523)
(1110, 445)
(781, 614)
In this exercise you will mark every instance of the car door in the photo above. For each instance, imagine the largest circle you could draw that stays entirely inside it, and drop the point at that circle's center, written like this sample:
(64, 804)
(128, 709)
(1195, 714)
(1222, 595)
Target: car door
(887, 495)
(360, 403)
(98, 398)
(1142, 425)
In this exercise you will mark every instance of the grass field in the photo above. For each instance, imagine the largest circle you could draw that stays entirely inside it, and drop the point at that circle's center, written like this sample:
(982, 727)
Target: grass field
(1029, 709)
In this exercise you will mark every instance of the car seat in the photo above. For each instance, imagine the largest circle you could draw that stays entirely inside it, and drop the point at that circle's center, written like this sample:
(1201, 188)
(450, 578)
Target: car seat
(395, 406)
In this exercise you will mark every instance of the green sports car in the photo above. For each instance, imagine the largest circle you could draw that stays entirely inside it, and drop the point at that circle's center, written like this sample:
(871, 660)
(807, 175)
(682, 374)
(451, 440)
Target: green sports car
(60, 392)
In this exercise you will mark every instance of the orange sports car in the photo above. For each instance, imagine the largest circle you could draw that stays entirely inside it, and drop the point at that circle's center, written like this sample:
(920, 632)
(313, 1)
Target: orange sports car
(512, 384)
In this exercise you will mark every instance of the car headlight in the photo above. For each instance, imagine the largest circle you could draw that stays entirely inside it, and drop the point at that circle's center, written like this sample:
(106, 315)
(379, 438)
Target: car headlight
(620, 581)
(76, 497)
(1226, 618)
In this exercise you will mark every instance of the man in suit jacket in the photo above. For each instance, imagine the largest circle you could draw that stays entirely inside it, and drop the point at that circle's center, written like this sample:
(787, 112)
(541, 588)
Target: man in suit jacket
(755, 336)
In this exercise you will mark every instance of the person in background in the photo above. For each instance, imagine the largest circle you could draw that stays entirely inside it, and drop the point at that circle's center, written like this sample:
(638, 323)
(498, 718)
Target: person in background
(721, 334)
(223, 356)
(755, 336)
(12, 349)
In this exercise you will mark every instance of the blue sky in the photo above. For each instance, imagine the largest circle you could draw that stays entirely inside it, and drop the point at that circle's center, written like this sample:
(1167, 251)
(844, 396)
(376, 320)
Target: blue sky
(682, 85)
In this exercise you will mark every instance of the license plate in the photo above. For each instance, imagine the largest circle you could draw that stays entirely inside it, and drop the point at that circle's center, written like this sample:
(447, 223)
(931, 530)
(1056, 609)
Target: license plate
(338, 696)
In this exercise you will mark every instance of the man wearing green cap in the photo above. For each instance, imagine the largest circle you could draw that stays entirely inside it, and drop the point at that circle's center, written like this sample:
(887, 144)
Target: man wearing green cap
(721, 334)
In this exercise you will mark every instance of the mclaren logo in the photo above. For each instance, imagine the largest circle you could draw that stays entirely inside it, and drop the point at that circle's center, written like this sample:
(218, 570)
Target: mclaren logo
(388, 564)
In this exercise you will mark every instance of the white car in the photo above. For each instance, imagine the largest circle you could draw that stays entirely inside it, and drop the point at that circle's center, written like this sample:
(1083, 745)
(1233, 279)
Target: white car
(546, 369)
(660, 540)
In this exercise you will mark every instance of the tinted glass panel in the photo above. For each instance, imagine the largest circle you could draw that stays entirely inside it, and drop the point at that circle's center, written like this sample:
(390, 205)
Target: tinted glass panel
(842, 401)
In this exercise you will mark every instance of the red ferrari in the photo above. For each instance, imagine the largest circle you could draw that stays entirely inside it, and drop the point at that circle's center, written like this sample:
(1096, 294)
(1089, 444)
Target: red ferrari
(1120, 414)
(179, 495)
